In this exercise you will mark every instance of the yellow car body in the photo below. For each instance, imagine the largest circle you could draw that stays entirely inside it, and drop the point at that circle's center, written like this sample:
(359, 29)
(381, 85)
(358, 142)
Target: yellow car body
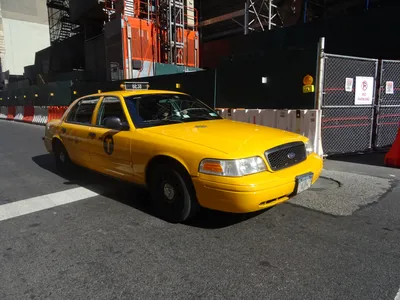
(201, 148)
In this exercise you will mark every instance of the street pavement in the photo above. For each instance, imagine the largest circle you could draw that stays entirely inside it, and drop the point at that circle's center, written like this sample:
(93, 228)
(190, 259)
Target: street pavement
(90, 237)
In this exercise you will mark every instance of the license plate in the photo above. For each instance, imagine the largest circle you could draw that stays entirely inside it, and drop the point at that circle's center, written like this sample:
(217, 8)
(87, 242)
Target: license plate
(303, 182)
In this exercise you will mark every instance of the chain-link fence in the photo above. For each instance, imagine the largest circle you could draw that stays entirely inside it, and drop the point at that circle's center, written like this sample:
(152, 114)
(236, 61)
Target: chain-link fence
(348, 103)
(388, 110)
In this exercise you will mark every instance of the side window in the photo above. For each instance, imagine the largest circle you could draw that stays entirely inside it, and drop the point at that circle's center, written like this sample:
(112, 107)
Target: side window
(72, 113)
(82, 111)
(110, 107)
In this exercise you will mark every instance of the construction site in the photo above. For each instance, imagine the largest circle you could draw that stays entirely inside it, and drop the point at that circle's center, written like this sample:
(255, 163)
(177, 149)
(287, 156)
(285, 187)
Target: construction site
(187, 149)
(93, 43)
(242, 54)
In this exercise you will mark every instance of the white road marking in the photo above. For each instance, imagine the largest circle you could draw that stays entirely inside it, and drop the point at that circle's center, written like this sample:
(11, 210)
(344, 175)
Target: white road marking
(27, 206)
(397, 296)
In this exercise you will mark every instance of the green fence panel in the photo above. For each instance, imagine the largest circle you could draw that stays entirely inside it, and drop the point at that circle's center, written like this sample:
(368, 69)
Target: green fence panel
(267, 81)
(166, 69)
(59, 93)
(200, 84)
(237, 83)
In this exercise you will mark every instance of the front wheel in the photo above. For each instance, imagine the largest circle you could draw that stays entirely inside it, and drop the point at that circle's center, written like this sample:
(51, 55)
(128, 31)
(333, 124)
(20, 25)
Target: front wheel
(172, 193)
(63, 162)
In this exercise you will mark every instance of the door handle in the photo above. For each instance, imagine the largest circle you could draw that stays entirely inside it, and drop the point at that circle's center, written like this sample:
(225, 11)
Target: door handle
(63, 130)
(92, 135)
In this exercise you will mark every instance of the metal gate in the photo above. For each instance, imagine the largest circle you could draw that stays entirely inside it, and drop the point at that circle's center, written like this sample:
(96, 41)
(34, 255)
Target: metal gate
(348, 103)
(388, 107)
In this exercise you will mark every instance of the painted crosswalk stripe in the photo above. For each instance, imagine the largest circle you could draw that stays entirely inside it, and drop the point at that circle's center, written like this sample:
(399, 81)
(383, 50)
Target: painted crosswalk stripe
(397, 296)
(27, 206)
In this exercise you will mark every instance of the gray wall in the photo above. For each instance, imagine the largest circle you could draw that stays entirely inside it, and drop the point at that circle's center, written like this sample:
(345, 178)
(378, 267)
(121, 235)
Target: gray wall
(34, 11)
(24, 31)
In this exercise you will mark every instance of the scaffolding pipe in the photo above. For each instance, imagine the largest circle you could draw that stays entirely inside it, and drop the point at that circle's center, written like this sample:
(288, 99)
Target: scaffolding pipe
(246, 16)
(305, 11)
(175, 52)
(269, 14)
(129, 45)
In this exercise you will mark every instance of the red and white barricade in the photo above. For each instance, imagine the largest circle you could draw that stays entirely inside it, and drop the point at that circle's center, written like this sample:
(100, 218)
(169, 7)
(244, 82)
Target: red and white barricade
(40, 115)
(305, 122)
(19, 113)
(3, 112)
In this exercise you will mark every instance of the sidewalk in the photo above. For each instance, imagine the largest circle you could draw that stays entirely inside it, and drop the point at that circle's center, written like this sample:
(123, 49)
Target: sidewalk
(349, 183)
(364, 164)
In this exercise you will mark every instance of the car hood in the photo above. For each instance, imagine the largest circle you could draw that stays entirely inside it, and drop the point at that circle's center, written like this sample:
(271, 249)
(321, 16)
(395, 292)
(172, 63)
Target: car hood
(227, 136)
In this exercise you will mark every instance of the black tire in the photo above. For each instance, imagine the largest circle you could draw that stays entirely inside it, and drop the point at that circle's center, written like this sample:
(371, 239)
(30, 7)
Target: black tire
(63, 162)
(172, 193)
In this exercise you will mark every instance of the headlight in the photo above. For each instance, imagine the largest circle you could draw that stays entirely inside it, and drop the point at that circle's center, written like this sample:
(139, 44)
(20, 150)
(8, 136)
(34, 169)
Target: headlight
(234, 167)
(309, 147)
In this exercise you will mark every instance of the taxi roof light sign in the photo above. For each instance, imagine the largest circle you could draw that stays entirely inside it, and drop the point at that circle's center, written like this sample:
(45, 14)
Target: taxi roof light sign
(130, 86)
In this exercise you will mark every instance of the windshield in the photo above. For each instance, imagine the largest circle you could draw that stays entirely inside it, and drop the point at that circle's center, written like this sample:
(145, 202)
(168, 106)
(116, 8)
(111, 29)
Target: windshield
(161, 109)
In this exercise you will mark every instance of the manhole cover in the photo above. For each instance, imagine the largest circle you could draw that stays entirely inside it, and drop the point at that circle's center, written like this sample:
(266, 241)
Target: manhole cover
(324, 184)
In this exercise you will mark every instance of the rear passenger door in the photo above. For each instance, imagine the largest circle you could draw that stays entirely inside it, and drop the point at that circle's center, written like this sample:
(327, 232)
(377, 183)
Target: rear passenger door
(76, 128)
(111, 149)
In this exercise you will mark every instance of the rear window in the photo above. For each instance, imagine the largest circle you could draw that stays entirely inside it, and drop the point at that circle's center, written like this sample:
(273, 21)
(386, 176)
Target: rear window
(82, 111)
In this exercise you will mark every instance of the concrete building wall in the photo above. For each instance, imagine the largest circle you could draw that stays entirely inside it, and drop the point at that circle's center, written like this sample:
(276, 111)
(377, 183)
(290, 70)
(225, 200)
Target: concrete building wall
(24, 28)
(34, 11)
(22, 40)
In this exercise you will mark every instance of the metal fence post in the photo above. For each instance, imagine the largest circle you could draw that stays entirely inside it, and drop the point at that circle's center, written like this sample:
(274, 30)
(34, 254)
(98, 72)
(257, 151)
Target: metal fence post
(388, 105)
(320, 73)
(377, 99)
(320, 93)
(215, 88)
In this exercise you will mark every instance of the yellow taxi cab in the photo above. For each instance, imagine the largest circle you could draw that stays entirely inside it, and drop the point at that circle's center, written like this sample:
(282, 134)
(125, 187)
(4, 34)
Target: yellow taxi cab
(183, 151)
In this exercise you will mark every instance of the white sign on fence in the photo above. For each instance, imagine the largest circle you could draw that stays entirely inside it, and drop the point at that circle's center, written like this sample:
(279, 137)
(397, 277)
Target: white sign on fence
(349, 84)
(364, 90)
(389, 87)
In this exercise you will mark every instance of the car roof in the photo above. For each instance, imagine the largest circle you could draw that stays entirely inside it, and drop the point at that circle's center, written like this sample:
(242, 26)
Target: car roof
(124, 93)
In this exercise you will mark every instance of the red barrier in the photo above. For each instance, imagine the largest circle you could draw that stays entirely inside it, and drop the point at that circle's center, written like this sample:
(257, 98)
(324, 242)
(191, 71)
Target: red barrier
(392, 158)
(56, 112)
(11, 112)
(51, 110)
(29, 112)
(63, 109)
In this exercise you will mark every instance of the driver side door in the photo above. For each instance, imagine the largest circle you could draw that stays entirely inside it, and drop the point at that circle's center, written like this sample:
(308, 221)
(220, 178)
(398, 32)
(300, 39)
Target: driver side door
(111, 149)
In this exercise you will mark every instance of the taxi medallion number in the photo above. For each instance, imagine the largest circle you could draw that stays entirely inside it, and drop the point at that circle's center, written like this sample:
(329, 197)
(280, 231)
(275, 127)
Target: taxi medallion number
(304, 182)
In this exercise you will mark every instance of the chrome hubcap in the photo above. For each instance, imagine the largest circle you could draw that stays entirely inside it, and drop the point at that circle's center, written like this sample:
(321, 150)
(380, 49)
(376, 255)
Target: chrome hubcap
(62, 157)
(169, 191)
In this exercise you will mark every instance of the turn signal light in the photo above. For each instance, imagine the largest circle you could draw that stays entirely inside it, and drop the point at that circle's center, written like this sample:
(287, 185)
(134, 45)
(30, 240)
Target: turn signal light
(214, 167)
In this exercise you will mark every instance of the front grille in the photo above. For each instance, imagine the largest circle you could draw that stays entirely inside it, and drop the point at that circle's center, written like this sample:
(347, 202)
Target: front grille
(286, 155)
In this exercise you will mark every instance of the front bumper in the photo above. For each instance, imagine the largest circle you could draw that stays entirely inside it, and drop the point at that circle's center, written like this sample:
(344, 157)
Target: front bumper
(254, 192)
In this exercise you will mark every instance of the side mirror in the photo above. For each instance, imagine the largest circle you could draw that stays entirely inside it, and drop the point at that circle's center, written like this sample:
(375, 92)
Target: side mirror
(115, 123)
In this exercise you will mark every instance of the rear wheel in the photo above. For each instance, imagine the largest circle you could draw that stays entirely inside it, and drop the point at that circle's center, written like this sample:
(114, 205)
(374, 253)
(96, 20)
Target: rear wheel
(172, 193)
(63, 162)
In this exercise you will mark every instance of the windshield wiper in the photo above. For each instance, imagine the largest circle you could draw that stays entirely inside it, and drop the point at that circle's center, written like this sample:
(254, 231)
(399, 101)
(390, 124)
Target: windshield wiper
(203, 118)
(171, 120)
(161, 120)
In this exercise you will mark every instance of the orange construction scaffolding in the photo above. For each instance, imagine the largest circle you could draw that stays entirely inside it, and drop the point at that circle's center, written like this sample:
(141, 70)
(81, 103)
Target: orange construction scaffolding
(156, 31)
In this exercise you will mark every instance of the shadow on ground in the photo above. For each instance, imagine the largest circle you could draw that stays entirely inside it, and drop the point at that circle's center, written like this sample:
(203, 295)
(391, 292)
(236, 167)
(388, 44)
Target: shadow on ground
(373, 159)
(134, 196)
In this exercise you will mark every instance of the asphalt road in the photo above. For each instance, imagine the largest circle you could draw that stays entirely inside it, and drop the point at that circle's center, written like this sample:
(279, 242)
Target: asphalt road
(109, 246)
